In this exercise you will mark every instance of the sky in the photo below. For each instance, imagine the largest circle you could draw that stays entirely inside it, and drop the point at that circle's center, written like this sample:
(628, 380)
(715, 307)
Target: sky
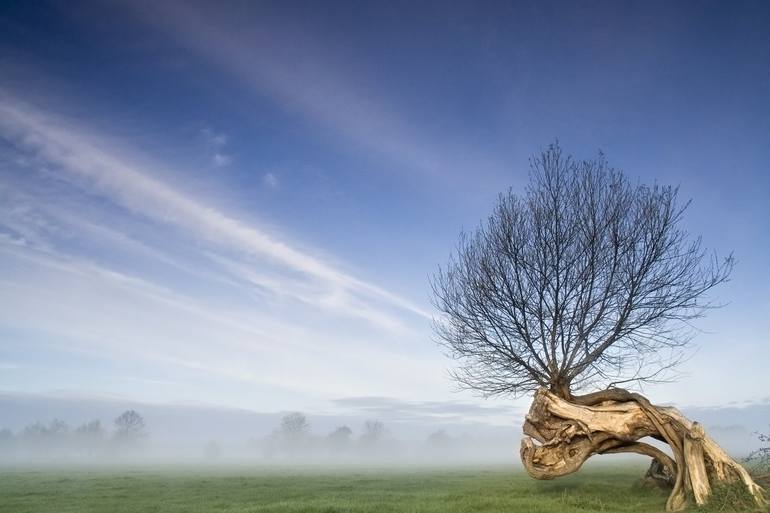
(239, 204)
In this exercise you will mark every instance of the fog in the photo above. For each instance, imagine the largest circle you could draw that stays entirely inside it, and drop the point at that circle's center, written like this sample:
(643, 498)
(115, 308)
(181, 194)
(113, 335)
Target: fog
(98, 442)
(40, 430)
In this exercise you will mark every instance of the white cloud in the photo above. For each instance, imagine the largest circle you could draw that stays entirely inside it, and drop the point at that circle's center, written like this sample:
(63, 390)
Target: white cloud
(216, 143)
(213, 139)
(108, 314)
(270, 180)
(221, 160)
(114, 176)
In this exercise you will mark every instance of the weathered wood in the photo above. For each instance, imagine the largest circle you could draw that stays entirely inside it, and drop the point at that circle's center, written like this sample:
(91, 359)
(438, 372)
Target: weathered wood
(563, 434)
(696, 464)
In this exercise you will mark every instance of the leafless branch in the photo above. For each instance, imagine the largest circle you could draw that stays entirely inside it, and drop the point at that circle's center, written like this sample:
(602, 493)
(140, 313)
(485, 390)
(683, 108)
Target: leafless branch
(584, 280)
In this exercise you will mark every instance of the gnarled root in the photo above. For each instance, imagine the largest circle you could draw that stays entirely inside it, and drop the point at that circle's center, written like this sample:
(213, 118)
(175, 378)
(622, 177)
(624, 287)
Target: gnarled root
(613, 421)
(660, 473)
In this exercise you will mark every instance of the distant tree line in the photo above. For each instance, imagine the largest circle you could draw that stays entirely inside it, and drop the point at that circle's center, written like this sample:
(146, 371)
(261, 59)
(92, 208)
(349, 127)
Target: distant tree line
(293, 440)
(58, 439)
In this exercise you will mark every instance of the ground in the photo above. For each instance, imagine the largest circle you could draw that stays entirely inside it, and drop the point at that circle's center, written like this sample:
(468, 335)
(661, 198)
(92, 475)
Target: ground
(311, 490)
(613, 488)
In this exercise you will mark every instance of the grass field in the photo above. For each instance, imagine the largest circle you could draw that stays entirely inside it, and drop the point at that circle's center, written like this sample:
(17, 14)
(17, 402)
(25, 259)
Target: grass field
(610, 488)
(439, 491)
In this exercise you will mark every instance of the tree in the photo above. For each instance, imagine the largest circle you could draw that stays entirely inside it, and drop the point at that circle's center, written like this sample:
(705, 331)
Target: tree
(440, 446)
(91, 429)
(58, 428)
(90, 436)
(129, 427)
(58, 432)
(293, 432)
(373, 435)
(585, 282)
(760, 458)
(37, 438)
(339, 439)
(35, 432)
(294, 426)
(438, 440)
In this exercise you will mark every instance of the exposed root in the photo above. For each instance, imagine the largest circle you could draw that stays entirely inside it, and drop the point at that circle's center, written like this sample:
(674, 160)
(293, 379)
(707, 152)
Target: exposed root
(660, 473)
(613, 421)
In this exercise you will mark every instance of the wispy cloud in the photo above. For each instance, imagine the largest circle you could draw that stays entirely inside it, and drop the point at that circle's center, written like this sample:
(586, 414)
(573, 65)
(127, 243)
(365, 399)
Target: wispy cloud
(212, 138)
(290, 67)
(137, 189)
(221, 160)
(390, 407)
(128, 268)
(216, 143)
(270, 180)
(100, 313)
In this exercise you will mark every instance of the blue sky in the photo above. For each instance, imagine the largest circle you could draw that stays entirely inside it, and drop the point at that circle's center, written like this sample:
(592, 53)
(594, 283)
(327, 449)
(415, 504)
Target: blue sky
(239, 204)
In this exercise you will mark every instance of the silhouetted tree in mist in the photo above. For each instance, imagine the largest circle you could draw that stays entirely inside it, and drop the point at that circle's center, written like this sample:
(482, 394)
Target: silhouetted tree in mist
(129, 428)
(373, 435)
(760, 459)
(89, 437)
(339, 440)
(292, 436)
(294, 425)
(438, 440)
(39, 438)
(91, 429)
(35, 431)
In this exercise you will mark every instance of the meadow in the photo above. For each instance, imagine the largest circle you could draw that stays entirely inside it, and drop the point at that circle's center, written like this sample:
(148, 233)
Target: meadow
(207, 490)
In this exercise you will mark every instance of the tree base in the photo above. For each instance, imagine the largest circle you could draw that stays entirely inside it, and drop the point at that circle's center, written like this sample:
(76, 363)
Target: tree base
(613, 421)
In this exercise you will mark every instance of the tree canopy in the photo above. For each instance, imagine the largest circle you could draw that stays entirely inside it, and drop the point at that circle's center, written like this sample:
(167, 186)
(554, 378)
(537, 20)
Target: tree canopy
(585, 279)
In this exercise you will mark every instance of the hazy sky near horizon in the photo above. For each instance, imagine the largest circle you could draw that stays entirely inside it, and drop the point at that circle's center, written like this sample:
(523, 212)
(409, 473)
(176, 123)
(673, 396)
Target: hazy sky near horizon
(240, 203)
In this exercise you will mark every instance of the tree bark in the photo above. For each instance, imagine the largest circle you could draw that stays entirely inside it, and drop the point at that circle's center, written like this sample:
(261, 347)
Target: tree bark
(569, 432)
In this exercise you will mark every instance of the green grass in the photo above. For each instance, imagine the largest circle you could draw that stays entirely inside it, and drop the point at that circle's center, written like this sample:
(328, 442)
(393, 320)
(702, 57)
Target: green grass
(610, 488)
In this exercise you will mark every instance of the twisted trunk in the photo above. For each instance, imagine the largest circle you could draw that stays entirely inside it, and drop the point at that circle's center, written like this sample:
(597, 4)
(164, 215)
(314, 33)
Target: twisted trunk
(613, 421)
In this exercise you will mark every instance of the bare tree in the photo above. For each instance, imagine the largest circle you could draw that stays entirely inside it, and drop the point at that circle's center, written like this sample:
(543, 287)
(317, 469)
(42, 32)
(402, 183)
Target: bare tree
(339, 440)
(373, 435)
(129, 427)
(760, 458)
(294, 426)
(585, 281)
(91, 429)
(438, 440)
(89, 437)
(36, 437)
(293, 433)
